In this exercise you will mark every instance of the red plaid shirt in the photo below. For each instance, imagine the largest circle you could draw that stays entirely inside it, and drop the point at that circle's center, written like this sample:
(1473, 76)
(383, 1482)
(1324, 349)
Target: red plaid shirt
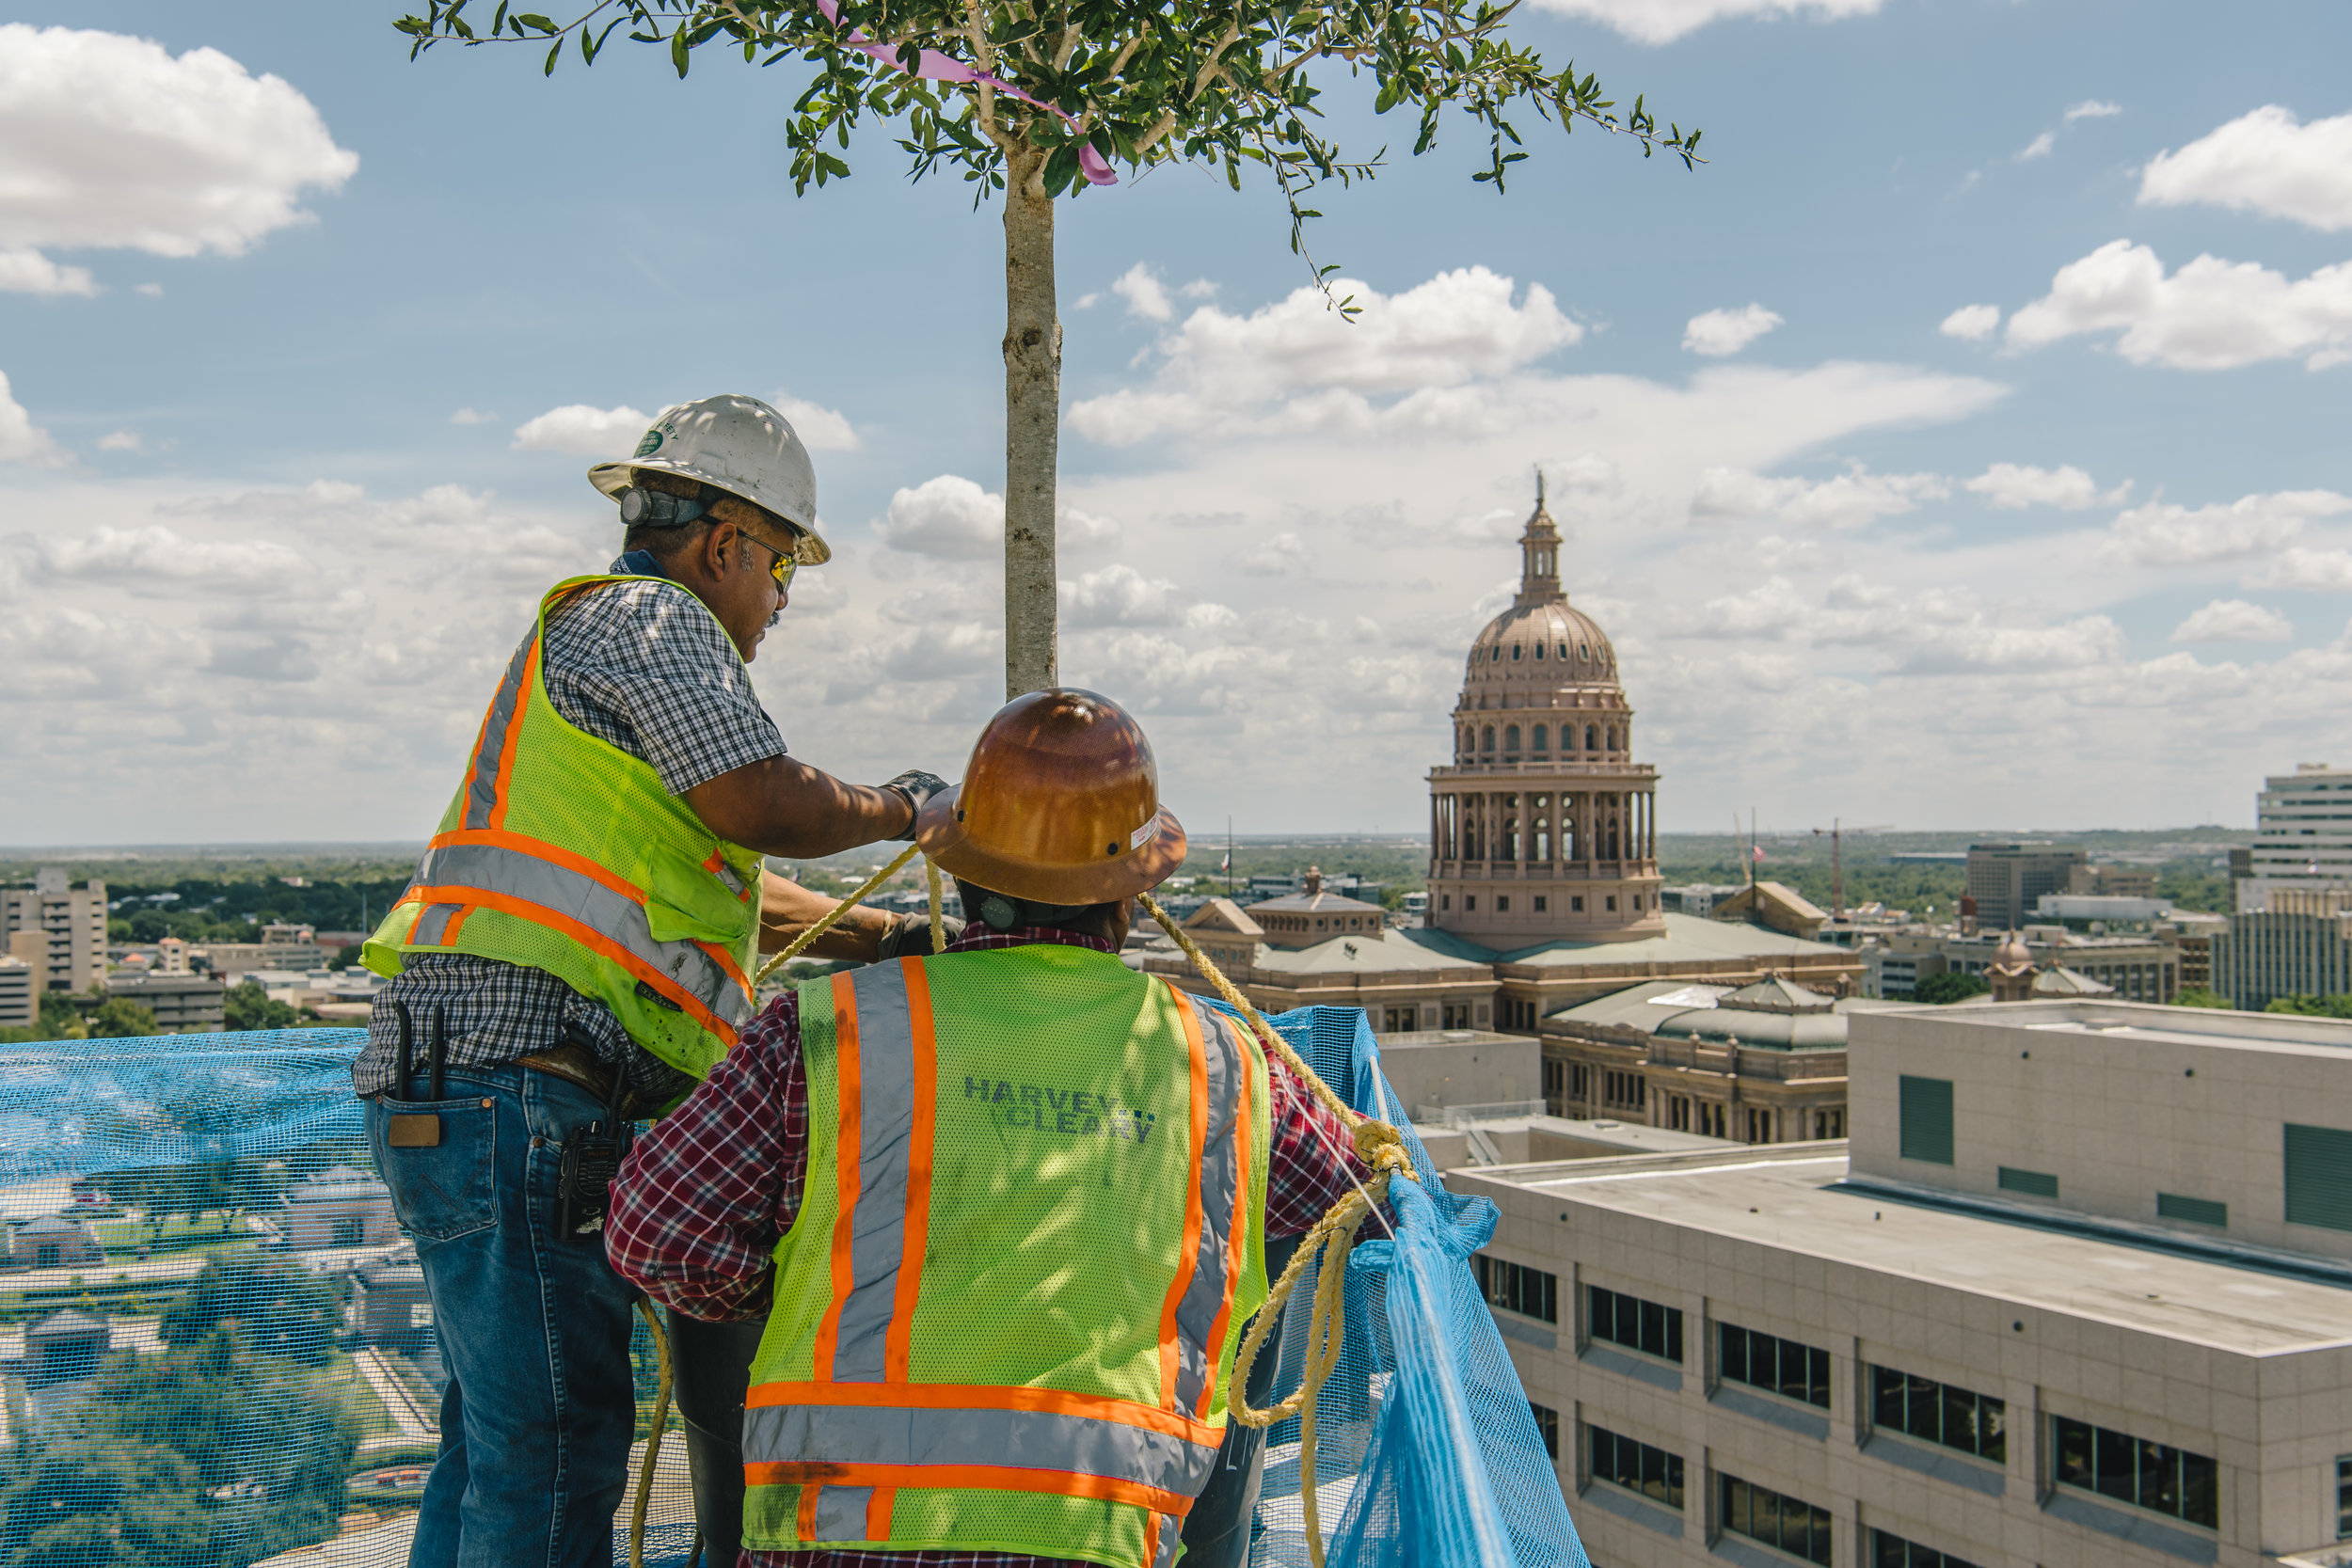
(703, 1198)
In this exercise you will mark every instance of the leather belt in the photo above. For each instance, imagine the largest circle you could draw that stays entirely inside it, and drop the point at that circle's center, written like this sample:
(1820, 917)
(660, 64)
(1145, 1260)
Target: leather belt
(574, 1064)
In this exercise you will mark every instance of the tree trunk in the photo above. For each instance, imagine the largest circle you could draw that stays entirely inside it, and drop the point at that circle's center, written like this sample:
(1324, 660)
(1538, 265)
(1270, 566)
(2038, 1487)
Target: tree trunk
(1032, 426)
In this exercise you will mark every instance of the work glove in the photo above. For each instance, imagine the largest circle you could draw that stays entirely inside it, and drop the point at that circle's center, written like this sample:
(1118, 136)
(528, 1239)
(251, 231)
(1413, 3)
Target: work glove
(910, 936)
(915, 787)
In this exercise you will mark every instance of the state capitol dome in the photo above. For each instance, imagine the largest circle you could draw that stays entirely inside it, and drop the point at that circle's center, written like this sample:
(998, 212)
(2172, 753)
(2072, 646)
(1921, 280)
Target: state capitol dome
(1543, 827)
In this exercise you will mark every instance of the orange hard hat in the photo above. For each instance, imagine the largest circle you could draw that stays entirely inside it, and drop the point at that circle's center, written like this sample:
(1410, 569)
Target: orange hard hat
(1059, 804)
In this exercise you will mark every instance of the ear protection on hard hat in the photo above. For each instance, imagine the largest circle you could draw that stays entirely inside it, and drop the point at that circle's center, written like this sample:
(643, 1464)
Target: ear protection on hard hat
(643, 508)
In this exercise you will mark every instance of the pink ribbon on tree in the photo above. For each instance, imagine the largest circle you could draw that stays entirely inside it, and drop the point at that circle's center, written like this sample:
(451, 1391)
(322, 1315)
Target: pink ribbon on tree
(936, 67)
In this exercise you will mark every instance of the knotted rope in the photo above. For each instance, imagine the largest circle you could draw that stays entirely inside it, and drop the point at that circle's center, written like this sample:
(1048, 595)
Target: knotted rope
(1380, 1145)
(653, 1436)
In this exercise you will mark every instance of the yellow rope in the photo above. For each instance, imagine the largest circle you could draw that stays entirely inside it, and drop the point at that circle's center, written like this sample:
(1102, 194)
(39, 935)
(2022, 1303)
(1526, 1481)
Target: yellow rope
(1380, 1145)
(939, 923)
(833, 915)
(653, 1436)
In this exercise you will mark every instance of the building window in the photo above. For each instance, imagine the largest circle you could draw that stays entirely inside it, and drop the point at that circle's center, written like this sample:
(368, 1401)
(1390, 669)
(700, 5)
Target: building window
(2319, 1177)
(1612, 744)
(1517, 1288)
(2152, 1475)
(1542, 742)
(1576, 903)
(1445, 900)
(1469, 901)
(1458, 1015)
(1646, 1472)
(1592, 738)
(1555, 1086)
(1829, 1124)
(1926, 1113)
(1711, 1118)
(1782, 1367)
(1611, 902)
(1893, 1551)
(2034, 1184)
(1490, 737)
(1628, 1091)
(1541, 903)
(1580, 1081)
(350, 1232)
(1510, 737)
(1780, 1521)
(2343, 1498)
(1546, 1419)
(1759, 1125)
(1651, 1328)
(1502, 902)
(1939, 1413)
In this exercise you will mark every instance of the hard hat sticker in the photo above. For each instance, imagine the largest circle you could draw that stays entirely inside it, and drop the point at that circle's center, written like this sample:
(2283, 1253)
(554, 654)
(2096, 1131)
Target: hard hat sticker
(1146, 833)
(651, 444)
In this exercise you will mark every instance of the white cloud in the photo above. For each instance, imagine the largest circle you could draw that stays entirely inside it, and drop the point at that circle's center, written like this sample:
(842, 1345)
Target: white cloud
(1665, 21)
(2093, 108)
(2162, 534)
(1143, 293)
(583, 431)
(2233, 620)
(2038, 148)
(820, 429)
(471, 415)
(109, 141)
(1119, 596)
(21, 440)
(152, 291)
(2211, 314)
(2263, 162)
(120, 440)
(1974, 323)
(28, 272)
(2327, 571)
(1220, 370)
(1851, 500)
(1716, 333)
(947, 516)
(1282, 555)
(1979, 649)
(162, 555)
(2012, 488)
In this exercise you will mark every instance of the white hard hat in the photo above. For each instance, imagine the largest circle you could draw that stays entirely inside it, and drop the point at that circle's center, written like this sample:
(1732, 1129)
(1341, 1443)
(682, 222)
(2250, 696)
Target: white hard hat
(739, 445)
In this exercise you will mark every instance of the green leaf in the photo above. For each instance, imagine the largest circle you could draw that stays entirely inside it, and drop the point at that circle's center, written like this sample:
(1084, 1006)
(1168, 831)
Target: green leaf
(552, 55)
(679, 55)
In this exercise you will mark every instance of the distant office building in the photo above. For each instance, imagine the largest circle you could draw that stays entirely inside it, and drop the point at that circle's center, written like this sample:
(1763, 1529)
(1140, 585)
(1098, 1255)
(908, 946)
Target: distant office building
(2301, 946)
(2110, 881)
(69, 924)
(20, 994)
(2136, 968)
(50, 1242)
(2303, 834)
(2007, 881)
(338, 1207)
(2073, 1293)
(182, 1004)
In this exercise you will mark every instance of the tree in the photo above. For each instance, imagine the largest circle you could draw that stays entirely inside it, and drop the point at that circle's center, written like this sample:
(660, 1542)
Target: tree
(279, 1309)
(2311, 1006)
(2198, 996)
(246, 1005)
(119, 1017)
(1941, 990)
(1036, 100)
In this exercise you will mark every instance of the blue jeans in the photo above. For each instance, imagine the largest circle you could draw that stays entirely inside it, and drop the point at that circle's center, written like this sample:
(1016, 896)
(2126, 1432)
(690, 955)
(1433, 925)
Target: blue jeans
(534, 1327)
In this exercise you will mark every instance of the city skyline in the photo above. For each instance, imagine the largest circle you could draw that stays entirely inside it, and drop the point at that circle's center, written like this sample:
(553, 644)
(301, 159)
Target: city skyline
(1837, 433)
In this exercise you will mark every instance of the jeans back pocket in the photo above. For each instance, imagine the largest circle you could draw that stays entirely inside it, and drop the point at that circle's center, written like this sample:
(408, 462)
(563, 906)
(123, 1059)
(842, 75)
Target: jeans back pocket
(449, 1189)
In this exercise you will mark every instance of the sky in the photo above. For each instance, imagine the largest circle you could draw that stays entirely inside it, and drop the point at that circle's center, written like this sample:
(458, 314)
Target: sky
(1963, 443)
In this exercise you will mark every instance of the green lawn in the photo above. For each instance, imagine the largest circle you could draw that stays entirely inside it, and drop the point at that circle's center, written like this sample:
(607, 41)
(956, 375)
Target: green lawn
(180, 1232)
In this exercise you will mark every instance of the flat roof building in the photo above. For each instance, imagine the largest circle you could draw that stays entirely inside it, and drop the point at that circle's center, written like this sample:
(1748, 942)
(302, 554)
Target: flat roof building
(2303, 834)
(2078, 1291)
(63, 925)
(2007, 881)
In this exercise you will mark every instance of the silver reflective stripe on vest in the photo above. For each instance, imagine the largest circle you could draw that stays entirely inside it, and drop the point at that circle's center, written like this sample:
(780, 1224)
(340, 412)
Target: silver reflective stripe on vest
(885, 1071)
(1171, 1531)
(1021, 1439)
(841, 1512)
(1220, 1178)
(496, 869)
(431, 925)
(482, 790)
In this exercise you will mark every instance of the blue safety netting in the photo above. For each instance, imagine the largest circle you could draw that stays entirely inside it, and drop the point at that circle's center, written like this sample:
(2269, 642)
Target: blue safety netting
(215, 1349)
(1429, 1455)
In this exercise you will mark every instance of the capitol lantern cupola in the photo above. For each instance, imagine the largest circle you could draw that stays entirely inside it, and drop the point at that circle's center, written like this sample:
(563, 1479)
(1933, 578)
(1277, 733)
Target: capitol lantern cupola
(1543, 827)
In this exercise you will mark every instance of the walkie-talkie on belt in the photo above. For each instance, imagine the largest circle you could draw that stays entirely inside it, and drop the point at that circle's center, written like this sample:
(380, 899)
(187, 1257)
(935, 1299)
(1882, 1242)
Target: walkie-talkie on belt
(592, 1158)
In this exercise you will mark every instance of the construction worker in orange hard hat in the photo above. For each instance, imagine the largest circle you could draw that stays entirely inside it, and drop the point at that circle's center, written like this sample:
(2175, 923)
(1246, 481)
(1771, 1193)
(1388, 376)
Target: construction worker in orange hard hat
(1002, 1211)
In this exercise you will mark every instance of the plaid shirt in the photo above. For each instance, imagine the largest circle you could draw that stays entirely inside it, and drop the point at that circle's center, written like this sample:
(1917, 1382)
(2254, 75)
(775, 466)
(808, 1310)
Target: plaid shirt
(642, 666)
(702, 1199)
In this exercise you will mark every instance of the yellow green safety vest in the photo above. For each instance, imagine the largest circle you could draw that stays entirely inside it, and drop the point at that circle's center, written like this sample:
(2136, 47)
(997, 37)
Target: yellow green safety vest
(1005, 1313)
(565, 853)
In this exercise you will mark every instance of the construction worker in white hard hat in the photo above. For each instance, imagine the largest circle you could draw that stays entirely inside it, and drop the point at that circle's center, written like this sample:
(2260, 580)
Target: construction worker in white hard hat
(1002, 1213)
(574, 953)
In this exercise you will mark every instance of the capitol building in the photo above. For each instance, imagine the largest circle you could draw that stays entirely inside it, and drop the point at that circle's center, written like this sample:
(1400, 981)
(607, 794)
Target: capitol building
(1544, 889)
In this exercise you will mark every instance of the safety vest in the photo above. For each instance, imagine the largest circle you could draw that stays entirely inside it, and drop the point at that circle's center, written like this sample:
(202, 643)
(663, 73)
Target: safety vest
(562, 853)
(1033, 1227)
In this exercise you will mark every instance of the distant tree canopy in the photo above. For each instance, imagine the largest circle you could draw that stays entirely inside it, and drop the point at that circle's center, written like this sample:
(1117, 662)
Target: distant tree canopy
(2311, 1006)
(211, 1455)
(1943, 990)
(118, 1017)
(279, 1309)
(246, 1006)
(2198, 996)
